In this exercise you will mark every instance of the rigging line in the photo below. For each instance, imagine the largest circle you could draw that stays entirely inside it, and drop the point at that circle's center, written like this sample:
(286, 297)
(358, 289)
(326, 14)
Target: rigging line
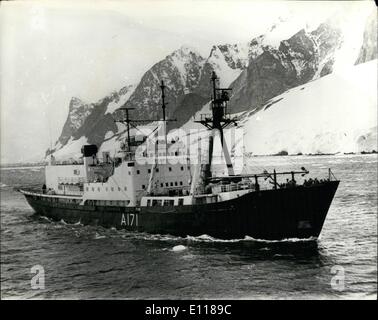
(136, 127)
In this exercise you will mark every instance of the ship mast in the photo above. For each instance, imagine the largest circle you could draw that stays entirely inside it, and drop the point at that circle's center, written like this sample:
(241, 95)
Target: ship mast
(130, 123)
(216, 122)
(127, 120)
(163, 106)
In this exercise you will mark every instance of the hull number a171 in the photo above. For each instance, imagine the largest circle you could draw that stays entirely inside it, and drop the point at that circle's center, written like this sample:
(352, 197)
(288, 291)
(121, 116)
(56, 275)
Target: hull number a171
(129, 220)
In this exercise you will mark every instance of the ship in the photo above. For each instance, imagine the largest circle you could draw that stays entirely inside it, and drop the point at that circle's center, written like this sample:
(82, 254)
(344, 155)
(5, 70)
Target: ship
(173, 195)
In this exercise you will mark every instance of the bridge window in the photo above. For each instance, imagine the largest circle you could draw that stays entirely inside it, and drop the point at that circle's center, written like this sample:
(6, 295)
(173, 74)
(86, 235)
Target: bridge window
(167, 184)
(138, 171)
(180, 183)
(176, 183)
(180, 201)
(170, 169)
(168, 202)
(156, 203)
(182, 168)
(148, 202)
(149, 170)
(162, 185)
(171, 184)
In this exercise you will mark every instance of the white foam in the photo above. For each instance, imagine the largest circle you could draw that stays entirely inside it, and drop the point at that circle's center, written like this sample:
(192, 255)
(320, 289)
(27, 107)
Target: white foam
(179, 248)
(207, 238)
(98, 236)
(78, 223)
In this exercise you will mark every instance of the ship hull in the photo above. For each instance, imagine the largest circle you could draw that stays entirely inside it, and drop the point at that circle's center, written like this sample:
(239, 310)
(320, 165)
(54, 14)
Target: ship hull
(297, 212)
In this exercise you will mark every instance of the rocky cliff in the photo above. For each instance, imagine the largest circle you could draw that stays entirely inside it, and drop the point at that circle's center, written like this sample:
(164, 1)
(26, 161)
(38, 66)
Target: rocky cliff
(369, 47)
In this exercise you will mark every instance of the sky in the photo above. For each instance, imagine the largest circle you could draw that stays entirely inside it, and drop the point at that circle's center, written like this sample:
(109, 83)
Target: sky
(51, 51)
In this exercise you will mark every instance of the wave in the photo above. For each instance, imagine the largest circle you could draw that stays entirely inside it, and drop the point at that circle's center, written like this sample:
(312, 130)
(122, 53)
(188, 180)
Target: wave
(99, 236)
(45, 218)
(207, 238)
(167, 237)
(78, 223)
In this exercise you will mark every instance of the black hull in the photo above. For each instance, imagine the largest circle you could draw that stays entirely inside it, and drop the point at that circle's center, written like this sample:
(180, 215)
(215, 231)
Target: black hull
(269, 214)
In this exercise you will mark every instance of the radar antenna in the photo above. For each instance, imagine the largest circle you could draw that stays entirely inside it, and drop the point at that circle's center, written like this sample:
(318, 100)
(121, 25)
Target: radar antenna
(217, 121)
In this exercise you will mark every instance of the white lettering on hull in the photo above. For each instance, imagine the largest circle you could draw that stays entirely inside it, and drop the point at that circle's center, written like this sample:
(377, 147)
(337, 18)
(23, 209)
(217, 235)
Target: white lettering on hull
(129, 220)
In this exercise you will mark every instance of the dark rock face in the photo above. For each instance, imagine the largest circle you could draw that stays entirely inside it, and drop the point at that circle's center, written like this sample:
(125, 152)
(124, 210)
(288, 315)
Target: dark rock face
(98, 123)
(78, 113)
(295, 62)
(368, 50)
(189, 104)
(180, 71)
(327, 69)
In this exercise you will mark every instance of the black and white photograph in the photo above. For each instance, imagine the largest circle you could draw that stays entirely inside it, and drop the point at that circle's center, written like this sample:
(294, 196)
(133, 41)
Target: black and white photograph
(188, 150)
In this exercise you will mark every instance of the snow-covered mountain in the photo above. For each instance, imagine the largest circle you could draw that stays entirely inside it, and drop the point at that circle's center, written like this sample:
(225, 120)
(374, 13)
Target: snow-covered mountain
(260, 72)
(92, 121)
(311, 118)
